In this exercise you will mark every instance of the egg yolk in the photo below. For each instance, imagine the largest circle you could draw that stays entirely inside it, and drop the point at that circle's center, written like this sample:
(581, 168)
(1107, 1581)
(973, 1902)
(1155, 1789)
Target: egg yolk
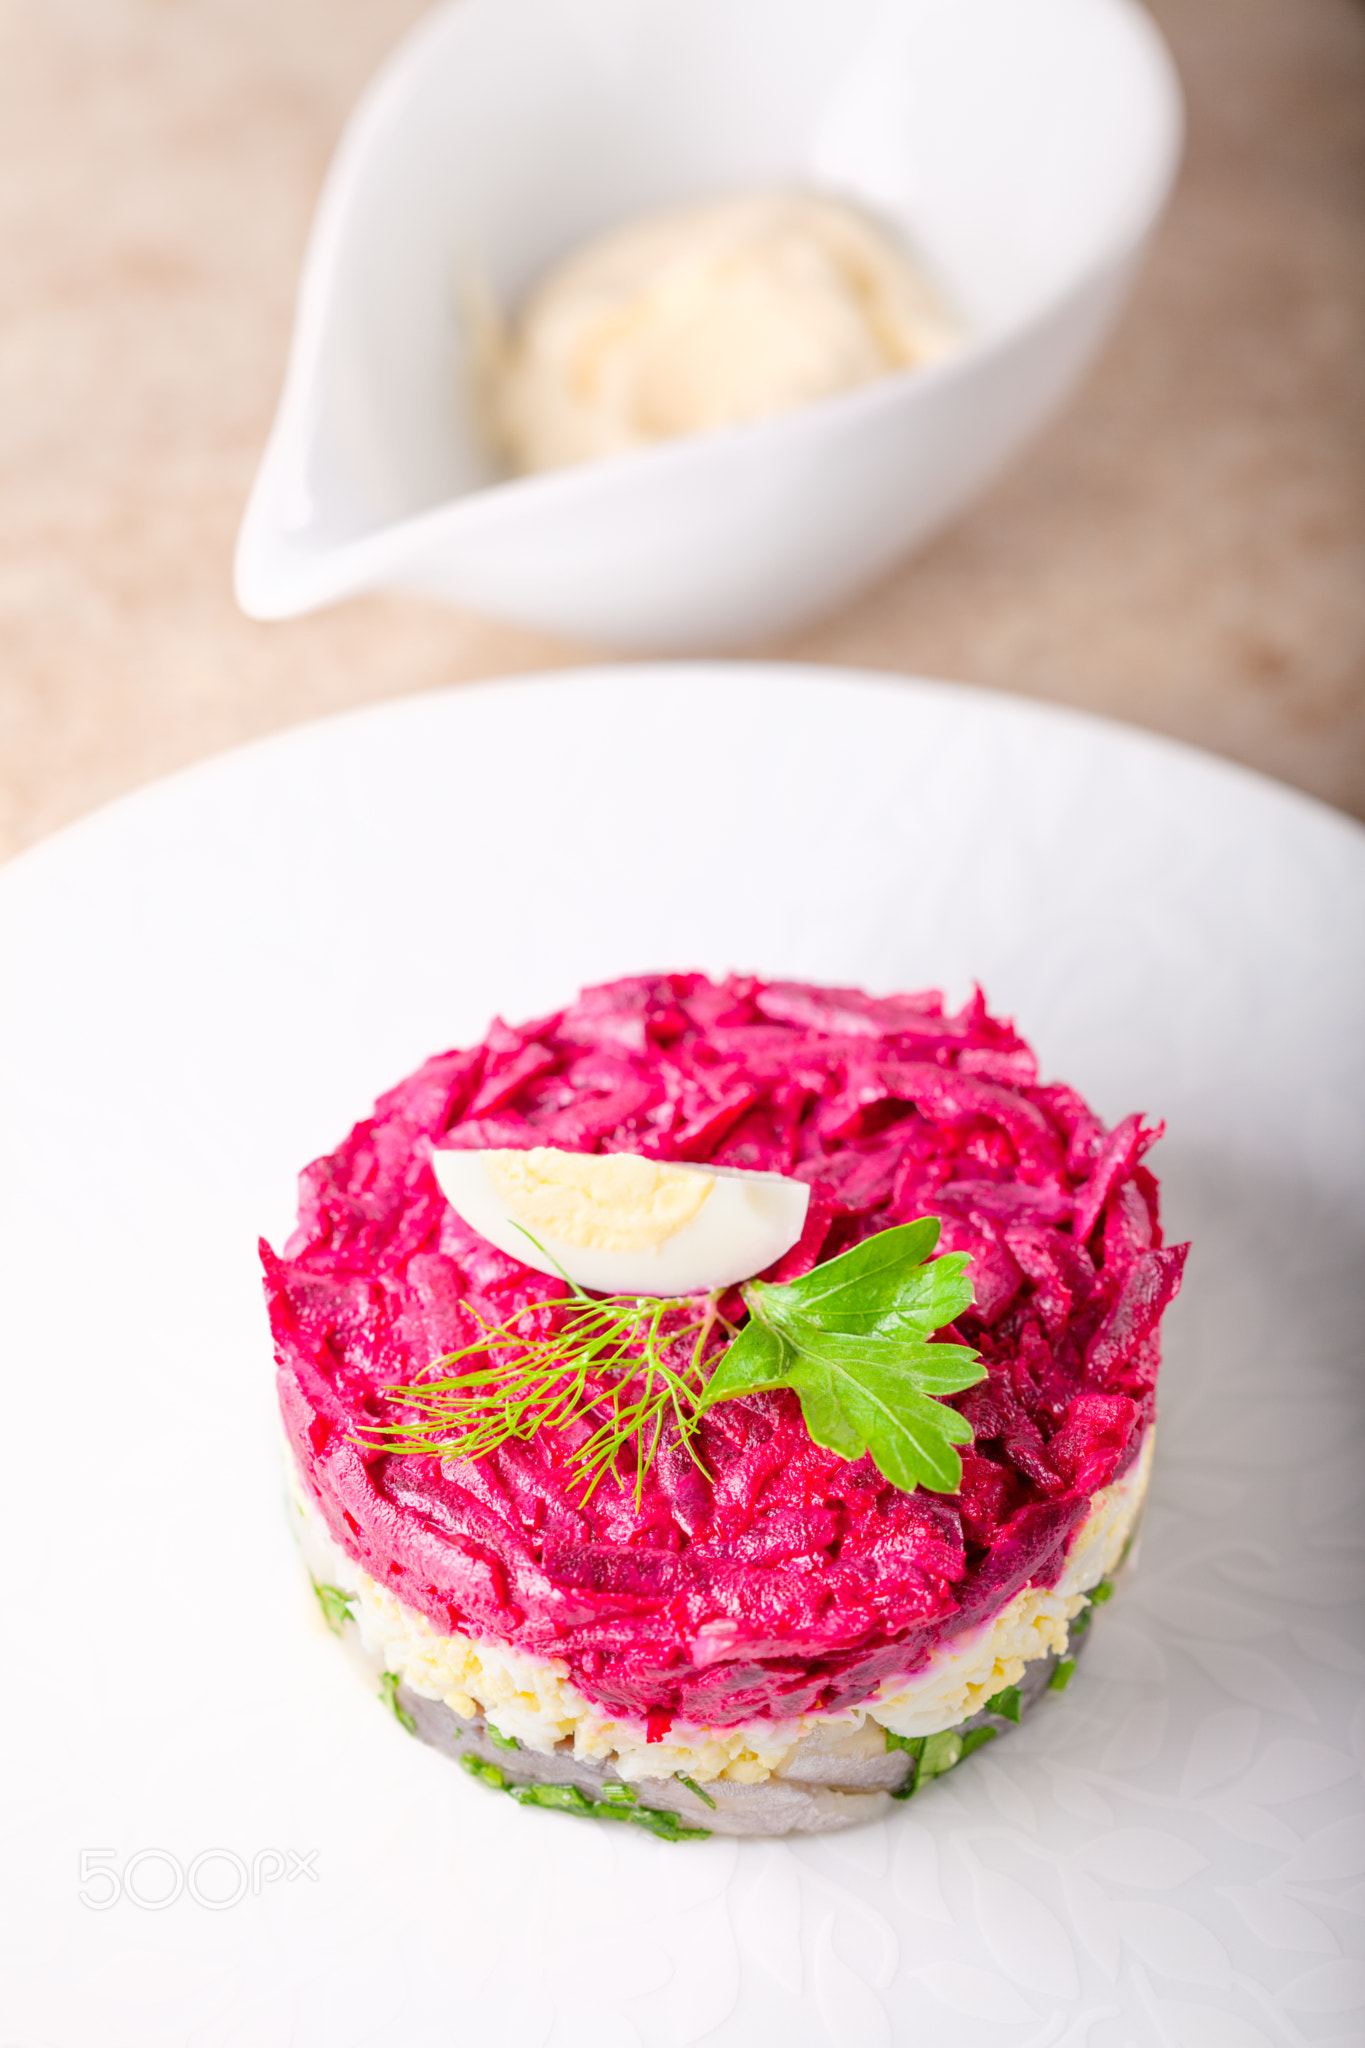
(611, 1202)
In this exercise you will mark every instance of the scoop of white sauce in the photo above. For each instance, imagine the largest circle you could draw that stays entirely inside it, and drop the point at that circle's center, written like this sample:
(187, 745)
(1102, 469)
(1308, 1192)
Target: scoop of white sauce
(703, 317)
(617, 1223)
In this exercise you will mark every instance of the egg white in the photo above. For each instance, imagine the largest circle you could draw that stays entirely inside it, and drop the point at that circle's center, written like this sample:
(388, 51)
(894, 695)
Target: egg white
(618, 1239)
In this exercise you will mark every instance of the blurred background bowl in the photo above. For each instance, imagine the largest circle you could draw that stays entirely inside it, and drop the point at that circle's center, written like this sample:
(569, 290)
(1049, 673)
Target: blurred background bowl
(1023, 148)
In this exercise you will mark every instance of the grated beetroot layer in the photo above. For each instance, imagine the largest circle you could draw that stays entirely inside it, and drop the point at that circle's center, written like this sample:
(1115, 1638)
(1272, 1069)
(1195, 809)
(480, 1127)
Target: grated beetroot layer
(790, 1580)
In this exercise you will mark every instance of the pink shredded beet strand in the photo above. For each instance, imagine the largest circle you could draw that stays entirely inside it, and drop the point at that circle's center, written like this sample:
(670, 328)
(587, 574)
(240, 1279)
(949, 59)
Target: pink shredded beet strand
(783, 1579)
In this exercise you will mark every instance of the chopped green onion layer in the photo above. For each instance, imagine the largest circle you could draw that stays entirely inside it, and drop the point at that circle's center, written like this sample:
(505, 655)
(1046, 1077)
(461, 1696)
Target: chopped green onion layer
(617, 1803)
(388, 1692)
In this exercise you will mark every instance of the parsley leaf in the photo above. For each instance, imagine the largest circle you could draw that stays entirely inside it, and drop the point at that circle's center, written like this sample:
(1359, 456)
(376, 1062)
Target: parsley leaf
(851, 1340)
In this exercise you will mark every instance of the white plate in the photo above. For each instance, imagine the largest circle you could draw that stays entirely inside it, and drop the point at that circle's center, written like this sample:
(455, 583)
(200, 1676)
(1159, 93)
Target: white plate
(206, 983)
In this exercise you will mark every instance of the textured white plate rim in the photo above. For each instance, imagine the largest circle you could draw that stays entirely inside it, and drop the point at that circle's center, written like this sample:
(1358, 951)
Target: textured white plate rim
(1034, 713)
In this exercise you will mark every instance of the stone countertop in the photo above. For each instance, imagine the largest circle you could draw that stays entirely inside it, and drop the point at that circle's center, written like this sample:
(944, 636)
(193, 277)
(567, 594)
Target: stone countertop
(1184, 550)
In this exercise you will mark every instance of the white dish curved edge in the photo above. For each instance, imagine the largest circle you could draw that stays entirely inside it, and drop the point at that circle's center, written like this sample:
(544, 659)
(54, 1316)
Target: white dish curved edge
(210, 979)
(1026, 149)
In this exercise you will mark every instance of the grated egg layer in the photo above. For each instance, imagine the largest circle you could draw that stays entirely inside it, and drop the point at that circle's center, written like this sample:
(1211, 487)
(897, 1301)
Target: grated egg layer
(531, 1699)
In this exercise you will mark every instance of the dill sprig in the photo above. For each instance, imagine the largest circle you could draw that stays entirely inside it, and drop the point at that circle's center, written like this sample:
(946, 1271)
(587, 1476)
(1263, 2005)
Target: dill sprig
(631, 1365)
(852, 1339)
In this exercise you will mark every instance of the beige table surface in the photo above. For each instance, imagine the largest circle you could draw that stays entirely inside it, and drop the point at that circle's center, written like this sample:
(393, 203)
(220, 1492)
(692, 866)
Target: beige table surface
(1185, 549)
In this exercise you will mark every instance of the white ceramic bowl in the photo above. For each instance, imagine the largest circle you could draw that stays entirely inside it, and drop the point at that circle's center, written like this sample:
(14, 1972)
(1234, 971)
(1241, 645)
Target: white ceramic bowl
(1023, 147)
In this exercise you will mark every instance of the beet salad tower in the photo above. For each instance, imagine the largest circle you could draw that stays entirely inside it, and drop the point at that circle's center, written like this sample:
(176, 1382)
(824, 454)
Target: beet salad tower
(721, 1406)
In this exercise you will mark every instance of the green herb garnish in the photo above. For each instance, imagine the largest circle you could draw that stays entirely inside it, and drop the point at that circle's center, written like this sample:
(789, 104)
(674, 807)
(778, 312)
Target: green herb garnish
(335, 1605)
(559, 1798)
(629, 1364)
(488, 1773)
(1096, 1597)
(618, 1802)
(693, 1786)
(940, 1753)
(1061, 1677)
(932, 1755)
(915, 1745)
(655, 1820)
(850, 1338)
(388, 1692)
(1007, 1704)
(498, 1739)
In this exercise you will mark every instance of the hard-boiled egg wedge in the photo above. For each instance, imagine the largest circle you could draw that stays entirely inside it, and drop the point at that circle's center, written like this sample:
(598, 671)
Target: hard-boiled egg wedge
(619, 1224)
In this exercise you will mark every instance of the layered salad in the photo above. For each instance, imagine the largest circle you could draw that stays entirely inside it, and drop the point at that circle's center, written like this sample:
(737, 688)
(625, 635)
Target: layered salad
(722, 1406)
